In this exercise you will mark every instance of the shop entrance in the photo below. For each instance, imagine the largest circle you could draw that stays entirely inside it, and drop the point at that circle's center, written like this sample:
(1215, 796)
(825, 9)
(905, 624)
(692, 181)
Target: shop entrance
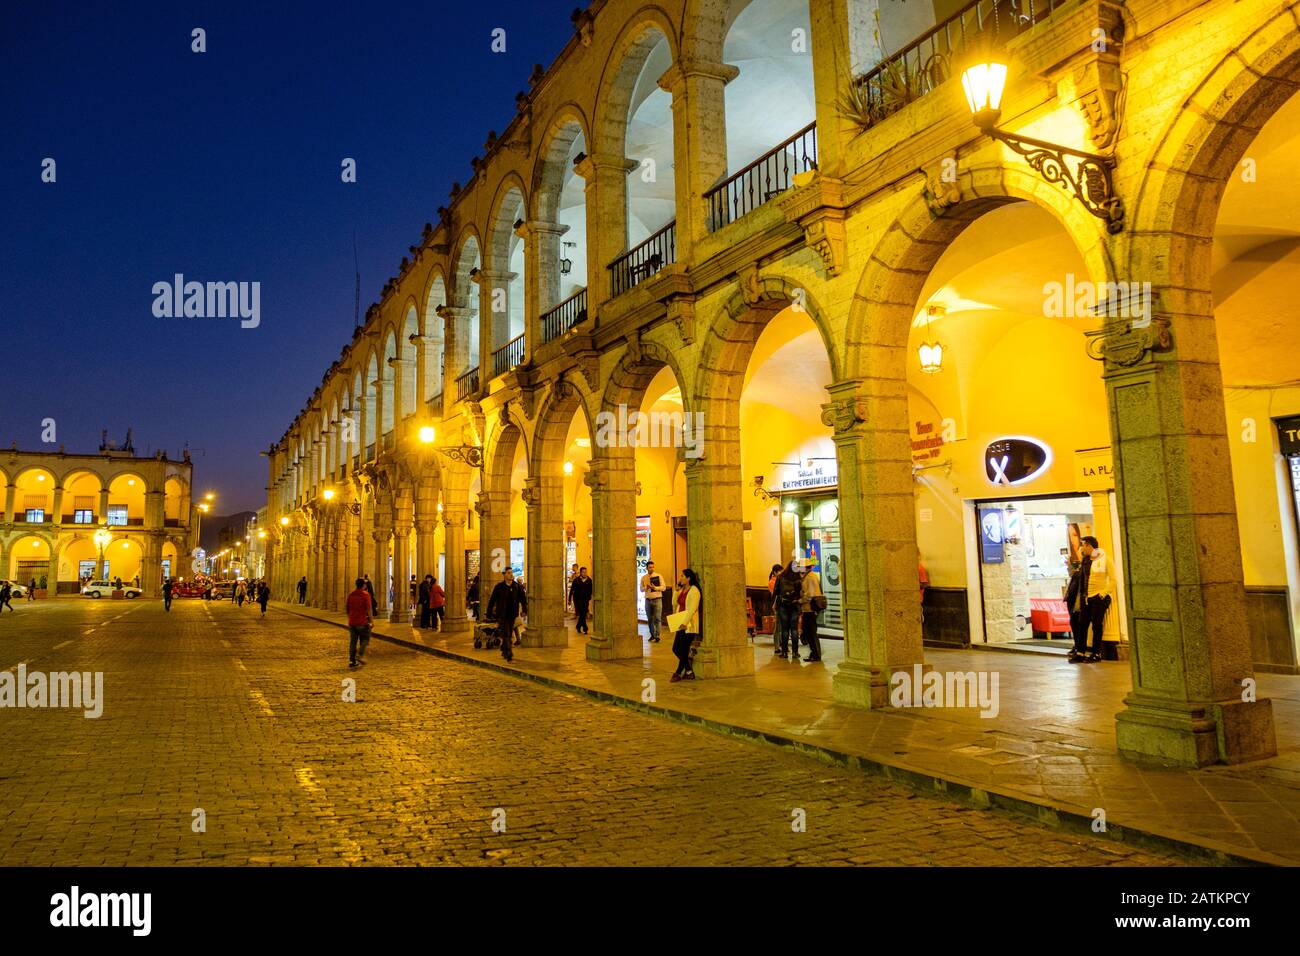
(1026, 548)
(810, 528)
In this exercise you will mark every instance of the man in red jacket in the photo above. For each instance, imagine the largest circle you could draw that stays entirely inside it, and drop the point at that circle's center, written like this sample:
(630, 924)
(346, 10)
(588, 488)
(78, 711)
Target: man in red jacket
(359, 622)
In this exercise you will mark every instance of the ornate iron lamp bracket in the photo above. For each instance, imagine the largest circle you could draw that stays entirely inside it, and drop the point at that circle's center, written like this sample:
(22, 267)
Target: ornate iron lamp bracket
(1087, 175)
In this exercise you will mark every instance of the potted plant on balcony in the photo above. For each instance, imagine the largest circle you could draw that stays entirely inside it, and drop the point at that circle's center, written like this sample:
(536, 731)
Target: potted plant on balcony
(41, 587)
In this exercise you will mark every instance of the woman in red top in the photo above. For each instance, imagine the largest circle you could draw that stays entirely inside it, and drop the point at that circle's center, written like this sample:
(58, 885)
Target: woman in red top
(438, 602)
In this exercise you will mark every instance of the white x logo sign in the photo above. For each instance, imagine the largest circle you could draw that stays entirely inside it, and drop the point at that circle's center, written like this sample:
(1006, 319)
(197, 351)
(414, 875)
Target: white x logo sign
(1000, 469)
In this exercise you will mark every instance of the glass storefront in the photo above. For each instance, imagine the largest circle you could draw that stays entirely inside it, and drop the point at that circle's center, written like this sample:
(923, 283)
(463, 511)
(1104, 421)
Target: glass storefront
(810, 525)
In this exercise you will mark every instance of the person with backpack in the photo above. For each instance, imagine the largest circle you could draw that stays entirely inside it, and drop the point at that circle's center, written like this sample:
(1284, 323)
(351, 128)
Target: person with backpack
(686, 633)
(6, 594)
(788, 596)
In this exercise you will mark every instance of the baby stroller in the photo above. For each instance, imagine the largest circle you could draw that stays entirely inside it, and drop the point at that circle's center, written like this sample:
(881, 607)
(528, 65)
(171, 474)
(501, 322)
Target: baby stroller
(486, 635)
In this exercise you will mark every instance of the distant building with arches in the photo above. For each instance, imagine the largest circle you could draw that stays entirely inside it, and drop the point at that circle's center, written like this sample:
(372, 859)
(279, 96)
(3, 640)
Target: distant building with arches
(54, 503)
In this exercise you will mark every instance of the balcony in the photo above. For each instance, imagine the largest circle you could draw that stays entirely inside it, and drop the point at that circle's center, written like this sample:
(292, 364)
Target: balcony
(467, 383)
(508, 356)
(434, 405)
(641, 262)
(390, 440)
(370, 452)
(565, 316)
(930, 59)
(762, 180)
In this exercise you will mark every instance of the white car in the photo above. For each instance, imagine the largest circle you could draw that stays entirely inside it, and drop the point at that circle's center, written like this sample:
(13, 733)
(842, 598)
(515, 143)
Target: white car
(16, 590)
(99, 589)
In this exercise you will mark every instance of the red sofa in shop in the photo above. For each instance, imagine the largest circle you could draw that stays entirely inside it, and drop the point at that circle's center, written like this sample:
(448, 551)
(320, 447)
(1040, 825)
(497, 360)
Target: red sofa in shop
(1049, 616)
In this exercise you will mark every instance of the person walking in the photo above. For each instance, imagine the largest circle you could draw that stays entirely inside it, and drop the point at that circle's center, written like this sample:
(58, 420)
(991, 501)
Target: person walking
(1088, 598)
(359, 604)
(370, 589)
(31, 590)
(413, 597)
(263, 595)
(241, 592)
(302, 590)
(167, 595)
(788, 593)
(652, 586)
(6, 593)
(437, 602)
(687, 632)
(505, 606)
(811, 603)
(422, 598)
(581, 592)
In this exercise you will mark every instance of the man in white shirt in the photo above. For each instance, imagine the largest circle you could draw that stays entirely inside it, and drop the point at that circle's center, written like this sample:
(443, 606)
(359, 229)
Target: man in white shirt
(1094, 596)
(652, 586)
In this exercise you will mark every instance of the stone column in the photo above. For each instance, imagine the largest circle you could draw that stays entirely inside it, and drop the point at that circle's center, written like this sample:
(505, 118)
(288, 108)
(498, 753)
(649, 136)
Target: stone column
(150, 564)
(716, 548)
(426, 528)
(699, 138)
(10, 494)
(399, 613)
(457, 359)
(381, 537)
(400, 368)
(882, 616)
(493, 508)
(101, 517)
(542, 255)
(58, 505)
(612, 480)
(495, 286)
(453, 523)
(1193, 701)
(544, 499)
(606, 192)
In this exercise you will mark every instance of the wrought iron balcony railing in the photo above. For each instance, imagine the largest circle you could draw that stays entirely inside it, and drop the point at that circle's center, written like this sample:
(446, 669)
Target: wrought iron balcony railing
(644, 260)
(467, 383)
(763, 179)
(508, 356)
(565, 316)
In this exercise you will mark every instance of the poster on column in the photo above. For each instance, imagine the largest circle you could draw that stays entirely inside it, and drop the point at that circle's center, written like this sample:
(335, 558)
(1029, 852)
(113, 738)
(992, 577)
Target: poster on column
(517, 557)
(642, 558)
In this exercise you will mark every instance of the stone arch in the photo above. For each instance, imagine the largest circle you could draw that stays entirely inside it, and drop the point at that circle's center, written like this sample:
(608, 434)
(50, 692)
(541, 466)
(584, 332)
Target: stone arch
(388, 383)
(433, 330)
(885, 301)
(731, 337)
(627, 56)
(704, 29)
(465, 296)
(566, 124)
(506, 262)
(408, 353)
(1198, 150)
(630, 378)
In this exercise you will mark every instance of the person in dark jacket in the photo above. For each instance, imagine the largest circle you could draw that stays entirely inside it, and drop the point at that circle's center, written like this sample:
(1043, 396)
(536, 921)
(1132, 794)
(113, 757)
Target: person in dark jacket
(167, 595)
(505, 606)
(580, 589)
(302, 590)
(370, 589)
(787, 595)
(472, 598)
(263, 595)
(423, 598)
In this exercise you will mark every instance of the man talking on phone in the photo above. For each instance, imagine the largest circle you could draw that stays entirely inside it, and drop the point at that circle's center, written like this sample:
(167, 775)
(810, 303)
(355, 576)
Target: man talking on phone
(652, 586)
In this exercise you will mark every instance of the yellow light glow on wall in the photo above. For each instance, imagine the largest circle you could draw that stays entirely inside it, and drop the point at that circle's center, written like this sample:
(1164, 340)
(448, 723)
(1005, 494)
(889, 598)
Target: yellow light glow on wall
(568, 467)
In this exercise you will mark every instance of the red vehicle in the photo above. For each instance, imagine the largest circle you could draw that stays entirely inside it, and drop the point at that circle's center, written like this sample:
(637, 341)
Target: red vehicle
(189, 589)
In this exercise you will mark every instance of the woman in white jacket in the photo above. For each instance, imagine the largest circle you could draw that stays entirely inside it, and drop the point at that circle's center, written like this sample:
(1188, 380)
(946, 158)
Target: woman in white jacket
(688, 631)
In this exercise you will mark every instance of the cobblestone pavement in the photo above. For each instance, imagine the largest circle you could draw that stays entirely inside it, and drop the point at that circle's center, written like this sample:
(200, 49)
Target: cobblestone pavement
(214, 708)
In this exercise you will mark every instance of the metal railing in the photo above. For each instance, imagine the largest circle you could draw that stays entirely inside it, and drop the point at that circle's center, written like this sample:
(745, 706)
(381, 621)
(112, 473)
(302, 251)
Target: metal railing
(467, 383)
(435, 404)
(763, 179)
(931, 58)
(565, 316)
(642, 261)
(390, 440)
(370, 452)
(508, 356)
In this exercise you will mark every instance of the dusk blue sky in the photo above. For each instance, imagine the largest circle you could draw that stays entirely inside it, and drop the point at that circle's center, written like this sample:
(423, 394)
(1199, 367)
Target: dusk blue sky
(224, 166)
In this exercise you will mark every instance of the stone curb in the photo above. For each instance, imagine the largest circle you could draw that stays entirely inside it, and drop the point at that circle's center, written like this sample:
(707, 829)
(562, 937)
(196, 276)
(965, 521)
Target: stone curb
(1205, 852)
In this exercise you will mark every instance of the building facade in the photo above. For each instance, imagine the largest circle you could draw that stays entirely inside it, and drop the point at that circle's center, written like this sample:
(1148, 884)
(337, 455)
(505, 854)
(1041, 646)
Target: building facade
(54, 503)
(743, 281)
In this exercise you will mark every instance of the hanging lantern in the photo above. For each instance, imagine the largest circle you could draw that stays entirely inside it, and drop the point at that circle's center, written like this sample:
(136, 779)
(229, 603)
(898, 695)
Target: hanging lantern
(931, 351)
(566, 266)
